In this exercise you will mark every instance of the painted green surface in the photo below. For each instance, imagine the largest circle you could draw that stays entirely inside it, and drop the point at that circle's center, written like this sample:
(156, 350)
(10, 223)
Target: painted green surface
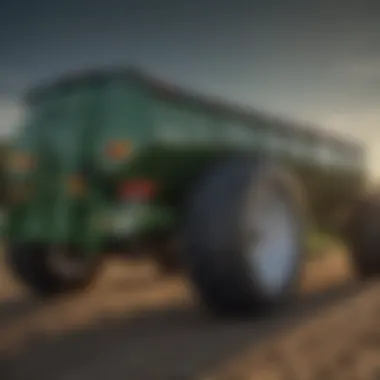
(173, 136)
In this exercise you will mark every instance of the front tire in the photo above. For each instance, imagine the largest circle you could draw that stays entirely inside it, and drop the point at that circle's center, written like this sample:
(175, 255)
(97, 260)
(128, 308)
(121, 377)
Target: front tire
(239, 263)
(48, 273)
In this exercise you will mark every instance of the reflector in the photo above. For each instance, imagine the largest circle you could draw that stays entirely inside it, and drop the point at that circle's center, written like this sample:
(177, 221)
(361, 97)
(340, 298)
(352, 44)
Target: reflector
(21, 162)
(118, 150)
(138, 188)
(76, 185)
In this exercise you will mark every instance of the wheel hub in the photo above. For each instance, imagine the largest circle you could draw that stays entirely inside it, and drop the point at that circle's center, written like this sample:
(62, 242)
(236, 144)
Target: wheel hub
(272, 248)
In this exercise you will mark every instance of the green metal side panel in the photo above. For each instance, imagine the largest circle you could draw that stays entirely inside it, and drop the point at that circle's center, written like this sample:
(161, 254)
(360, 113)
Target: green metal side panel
(59, 149)
(186, 140)
(124, 118)
(70, 139)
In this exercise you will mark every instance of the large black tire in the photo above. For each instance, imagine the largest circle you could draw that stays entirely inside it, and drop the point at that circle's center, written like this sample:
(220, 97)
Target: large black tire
(362, 235)
(215, 250)
(32, 265)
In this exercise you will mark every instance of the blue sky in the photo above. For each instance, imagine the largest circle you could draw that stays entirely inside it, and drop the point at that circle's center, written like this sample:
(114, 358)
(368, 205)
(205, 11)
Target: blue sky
(317, 61)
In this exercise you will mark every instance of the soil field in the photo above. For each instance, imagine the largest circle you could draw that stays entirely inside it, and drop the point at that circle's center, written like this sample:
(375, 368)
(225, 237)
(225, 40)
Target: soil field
(341, 343)
(136, 325)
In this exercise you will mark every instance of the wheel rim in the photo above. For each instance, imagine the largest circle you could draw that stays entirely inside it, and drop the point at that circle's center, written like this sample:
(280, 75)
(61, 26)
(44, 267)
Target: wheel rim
(272, 247)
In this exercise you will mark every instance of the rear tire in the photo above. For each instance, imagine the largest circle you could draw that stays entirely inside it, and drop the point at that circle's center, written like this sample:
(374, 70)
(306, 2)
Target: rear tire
(32, 264)
(230, 272)
(363, 236)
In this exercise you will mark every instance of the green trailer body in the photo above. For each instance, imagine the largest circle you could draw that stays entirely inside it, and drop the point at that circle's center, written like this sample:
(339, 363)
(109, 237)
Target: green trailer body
(170, 136)
(113, 154)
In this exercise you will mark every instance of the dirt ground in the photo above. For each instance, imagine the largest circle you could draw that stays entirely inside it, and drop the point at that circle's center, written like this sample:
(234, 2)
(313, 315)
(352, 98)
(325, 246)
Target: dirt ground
(342, 343)
(135, 324)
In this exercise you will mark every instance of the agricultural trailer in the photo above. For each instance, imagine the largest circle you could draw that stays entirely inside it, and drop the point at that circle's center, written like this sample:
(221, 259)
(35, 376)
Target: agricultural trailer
(114, 159)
